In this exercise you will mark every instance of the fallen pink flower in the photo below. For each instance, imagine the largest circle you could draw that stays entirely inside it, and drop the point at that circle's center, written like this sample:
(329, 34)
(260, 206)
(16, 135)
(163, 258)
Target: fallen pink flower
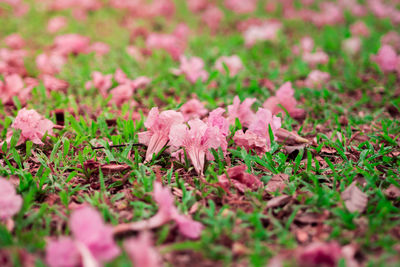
(51, 83)
(193, 69)
(240, 179)
(197, 5)
(71, 44)
(392, 38)
(14, 41)
(212, 17)
(263, 120)
(100, 82)
(240, 6)
(121, 94)
(158, 129)
(99, 48)
(50, 63)
(285, 97)
(386, 58)
(10, 201)
(56, 24)
(215, 119)
(174, 44)
(12, 61)
(268, 31)
(196, 141)
(359, 29)
(317, 78)
(14, 85)
(318, 57)
(242, 111)
(233, 63)
(251, 141)
(193, 109)
(142, 252)
(62, 253)
(33, 126)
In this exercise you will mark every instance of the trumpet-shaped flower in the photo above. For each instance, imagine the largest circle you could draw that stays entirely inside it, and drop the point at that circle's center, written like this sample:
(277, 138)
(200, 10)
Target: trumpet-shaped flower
(233, 63)
(285, 97)
(10, 201)
(142, 252)
(242, 111)
(316, 79)
(197, 140)
(386, 58)
(158, 129)
(193, 109)
(192, 68)
(100, 82)
(33, 126)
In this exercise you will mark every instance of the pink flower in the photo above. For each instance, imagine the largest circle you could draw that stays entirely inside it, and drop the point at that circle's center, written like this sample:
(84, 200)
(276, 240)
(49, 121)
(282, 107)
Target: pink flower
(285, 97)
(240, 6)
(193, 69)
(99, 48)
(62, 253)
(251, 141)
(359, 29)
(142, 252)
(14, 86)
(316, 58)
(329, 14)
(100, 82)
(92, 242)
(386, 58)
(264, 119)
(50, 63)
(240, 179)
(316, 79)
(88, 228)
(307, 44)
(158, 129)
(14, 41)
(33, 126)
(268, 31)
(53, 84)
(197, 5)
(121, 94)
(352, 45)
(167, 211)
(233, 63)
(71, 44)
(174, 44)
(242, 111)
(319, 254)
(193, 109)
(392, 38)
(56, 24)
(197, 140)
(215, 119)
(10, 201)
(12, 61)
(212, 17)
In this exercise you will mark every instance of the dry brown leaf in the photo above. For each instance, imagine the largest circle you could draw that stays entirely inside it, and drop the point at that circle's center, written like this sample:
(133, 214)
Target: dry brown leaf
(354, 198)
(278, 201)
(277, 182)
(392, 192)
(290, 137)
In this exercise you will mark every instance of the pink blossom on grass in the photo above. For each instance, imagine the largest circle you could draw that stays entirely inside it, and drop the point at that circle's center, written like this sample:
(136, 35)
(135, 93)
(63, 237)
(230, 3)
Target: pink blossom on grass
(14, 85)
(88, 228)
(62, 253)
(285, 97)
(386, 58)
(193, 109)
(233, 63)
(56, 24)
(359, 28)
(197, 5)
(167, 211)
(212, 17)
(121, 94)
(196, 140)
(12, 61)
(240, 179)
(10, 201)
(33, 126)
(99, 48)
(14, 41)
(351, 45)
(100, 82)
(317, 78)
(50, 63)
(215, 119)
(54, 84)
(242, 111)
(142, 252)
(268, 31)
(193, 69)
(158, 129)
(251, 141)
(173, 44)
(263, 120)
(318, 57)
(240, 6)
(71, 44)
(392, 38)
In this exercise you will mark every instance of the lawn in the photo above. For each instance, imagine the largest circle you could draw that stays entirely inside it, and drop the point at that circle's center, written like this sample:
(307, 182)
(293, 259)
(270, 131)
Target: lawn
(199, 133)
